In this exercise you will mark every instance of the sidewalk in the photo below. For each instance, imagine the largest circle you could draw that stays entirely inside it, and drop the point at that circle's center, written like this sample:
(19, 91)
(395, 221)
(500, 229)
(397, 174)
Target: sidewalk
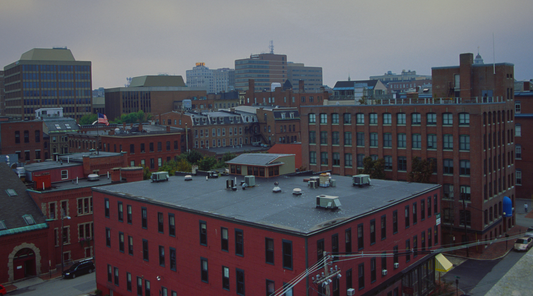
(32, 281)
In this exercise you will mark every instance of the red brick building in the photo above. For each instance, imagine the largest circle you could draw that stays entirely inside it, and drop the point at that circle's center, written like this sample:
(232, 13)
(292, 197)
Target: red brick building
(209, 240)
(25, 139)
(523, 124)
(469, 135)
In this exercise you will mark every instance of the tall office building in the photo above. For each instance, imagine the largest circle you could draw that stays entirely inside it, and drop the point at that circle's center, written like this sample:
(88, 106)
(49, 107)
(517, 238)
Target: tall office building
(312, 76)
(2, 94)
(47, 78)
(212, 81)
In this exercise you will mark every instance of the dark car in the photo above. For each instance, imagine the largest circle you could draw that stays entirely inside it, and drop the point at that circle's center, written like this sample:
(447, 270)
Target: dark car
(79, 268)
(2, 290)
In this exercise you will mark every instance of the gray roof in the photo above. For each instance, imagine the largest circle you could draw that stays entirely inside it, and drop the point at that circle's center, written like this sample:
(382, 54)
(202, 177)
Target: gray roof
(48, 54)
(61, 125)
(13, 208)
(260, 159)
(157, 80)
(354, 83)
(259, 206)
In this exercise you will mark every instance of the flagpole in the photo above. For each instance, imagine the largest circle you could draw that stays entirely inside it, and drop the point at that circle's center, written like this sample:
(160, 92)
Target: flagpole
(97, 137)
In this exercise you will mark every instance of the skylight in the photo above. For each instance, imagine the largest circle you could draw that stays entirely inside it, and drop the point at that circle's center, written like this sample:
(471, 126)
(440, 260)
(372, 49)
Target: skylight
(11, 192)
(29, 219)
(2, 225)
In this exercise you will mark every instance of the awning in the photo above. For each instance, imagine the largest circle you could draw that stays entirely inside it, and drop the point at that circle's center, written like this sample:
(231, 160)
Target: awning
(442, 264)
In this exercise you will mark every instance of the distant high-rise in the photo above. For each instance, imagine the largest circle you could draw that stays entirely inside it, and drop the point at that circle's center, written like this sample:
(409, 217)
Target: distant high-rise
(268, 68)
(212, 81)
(46, 78)
(2, 94)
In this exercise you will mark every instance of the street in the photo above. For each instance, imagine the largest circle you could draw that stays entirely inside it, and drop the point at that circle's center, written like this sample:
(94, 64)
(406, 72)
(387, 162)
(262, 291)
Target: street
(68, 287)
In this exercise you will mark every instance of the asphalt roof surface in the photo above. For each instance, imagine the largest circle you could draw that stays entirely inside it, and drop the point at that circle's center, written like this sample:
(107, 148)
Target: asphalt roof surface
(260, 206)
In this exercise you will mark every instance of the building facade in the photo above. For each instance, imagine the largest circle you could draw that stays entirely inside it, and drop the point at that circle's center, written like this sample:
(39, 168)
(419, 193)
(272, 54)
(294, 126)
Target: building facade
(44, 78)
(25, 139)
(212, 81)
(524, 160)
(154, 240)
(469, 138)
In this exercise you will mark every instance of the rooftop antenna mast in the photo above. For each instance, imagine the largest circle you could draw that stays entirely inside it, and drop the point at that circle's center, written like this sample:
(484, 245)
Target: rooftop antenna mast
(271, 46)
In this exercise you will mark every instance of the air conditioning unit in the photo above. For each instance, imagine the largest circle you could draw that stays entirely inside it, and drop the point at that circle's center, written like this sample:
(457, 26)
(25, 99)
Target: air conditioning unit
(350, 292)
(384, 272)
(396, 265)
(249, 180)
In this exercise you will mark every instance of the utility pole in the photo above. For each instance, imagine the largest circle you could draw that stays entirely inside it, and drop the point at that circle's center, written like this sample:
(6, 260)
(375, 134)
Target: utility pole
(326, 279)
(464, 219)
(62, 239)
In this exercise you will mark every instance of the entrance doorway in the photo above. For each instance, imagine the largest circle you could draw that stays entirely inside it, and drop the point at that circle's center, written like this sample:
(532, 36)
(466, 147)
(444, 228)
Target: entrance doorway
(24, 264)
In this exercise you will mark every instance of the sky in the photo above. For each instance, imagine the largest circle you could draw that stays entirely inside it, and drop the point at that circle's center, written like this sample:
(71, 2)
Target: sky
(352, 38)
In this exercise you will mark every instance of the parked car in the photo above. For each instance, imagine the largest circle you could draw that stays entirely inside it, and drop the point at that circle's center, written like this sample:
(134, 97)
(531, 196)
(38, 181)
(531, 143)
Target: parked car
(2, 290)
(79, 268)
(523, 244)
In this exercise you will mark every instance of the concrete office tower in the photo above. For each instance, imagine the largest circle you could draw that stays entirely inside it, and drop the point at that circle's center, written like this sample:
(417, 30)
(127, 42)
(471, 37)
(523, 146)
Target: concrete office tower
(47, 78)
(212, 81)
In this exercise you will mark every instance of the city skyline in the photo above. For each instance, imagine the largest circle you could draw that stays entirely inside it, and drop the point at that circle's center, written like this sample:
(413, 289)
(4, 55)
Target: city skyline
(346, 39)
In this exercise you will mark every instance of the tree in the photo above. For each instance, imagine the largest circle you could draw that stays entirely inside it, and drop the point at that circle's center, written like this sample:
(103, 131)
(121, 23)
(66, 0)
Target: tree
(183, 166)
(146, 173)
(374, 168)
(88, 119)
(134, 117)
(207, 163)
(193, 156)
(421, 170)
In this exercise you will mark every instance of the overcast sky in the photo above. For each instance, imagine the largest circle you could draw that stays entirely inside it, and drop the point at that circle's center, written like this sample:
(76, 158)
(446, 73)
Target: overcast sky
(346, 38)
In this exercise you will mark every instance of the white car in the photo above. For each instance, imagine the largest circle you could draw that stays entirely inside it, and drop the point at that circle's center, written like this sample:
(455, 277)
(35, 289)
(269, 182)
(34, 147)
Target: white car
(523, 244)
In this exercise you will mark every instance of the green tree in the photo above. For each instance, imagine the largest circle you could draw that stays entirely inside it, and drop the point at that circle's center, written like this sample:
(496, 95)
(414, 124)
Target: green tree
(207, 163)
(184, 166)
(88, 119)
(146, 173)
(193, 156)
(374, 168)
(170, 167)
(134, 117)
(421, 170)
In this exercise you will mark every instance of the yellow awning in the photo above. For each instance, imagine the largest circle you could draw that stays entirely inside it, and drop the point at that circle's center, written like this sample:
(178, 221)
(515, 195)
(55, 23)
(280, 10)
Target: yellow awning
(442, 264)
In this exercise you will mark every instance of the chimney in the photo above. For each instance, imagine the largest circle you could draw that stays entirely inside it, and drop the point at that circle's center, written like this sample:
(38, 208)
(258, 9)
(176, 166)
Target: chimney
(115, 175)
(140, 127)
(168, 128)
(527, 86)
(251, 85)
(124, 125)
(301, 86)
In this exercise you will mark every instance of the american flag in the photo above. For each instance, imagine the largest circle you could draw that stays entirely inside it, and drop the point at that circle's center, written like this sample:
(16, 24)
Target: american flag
(102, 119)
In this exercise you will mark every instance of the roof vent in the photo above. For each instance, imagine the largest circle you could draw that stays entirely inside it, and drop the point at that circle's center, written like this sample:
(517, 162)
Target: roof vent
(188, 178)
(297, 191)
(93, 177)
(327, 202)
(276, 188)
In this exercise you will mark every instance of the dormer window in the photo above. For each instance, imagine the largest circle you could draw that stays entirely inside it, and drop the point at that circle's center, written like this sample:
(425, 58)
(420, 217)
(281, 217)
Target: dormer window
(28, 219)
(291, 115)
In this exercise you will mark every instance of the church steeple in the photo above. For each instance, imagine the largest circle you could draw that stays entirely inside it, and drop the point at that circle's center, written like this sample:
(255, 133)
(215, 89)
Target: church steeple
(478, 60)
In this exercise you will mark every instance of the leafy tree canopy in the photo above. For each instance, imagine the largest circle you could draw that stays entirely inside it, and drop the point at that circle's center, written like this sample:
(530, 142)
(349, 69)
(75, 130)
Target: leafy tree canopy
(134, 117)
(88, 119)
(421, 170)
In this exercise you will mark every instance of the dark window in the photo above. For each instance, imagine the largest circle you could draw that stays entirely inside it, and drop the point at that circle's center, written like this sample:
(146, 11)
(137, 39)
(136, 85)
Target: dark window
(384, 261)
(383, 227)
(132, 148)
(121, 242)
(269, 250)
(319, 249)
(205, 272)
(372, 231)
(145, 250)
(361, 276)
(203, 233)
(349, 283)
(17, 137)
(415, 246)
(407, 251)
(120, 211)
(160, 223)
(429, 206)
(240, 281)
(224, 239)
(109, 273)
(162, 256)
(172, 255)
(287, 254)
(335, 246)
(147, 288)
(395, 252)
(422, 210)
(225, 277)
(360, 238)
(130, 245)
(144, 217)
(139, 286)
(128, 281)
(108, 237)
(37, 136)
(373, 269)
(239, 242)
(348, 240)
(406, 216)
(395, 222)
(128, 213)
(270, 287)
(171, 225)
(414, 214)
(106, 204)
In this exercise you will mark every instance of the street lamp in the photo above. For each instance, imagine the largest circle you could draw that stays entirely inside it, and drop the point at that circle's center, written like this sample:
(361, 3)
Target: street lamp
(63, 217)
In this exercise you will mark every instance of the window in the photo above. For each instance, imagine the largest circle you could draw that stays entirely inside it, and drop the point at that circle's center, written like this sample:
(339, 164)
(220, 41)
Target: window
(204, 270)
(145, 250)
(372, 269)
(203, 233)
(416, 118)
(417, 141)
(335, 140)
(239, 242)
(415, 246)
(347, 118)
(429, 206)
(240, 281)
(270, 287)
(130, 245)
(128, 213)
(161, 256)
(109, 273)
(287, 254)
(269, 250)
(323, 137)
(448, 166)
(323, 118)
(447, 119)
(360, 118)
(349, 279)
(372, 231)
(224, 239)
(312, 137)
(323, 157)
(335, 118)
(360, 160)
(517, 152)
(402, 140)
(447, 190)
(431, 118)
(107, 237)
(387, 118)
(160, 223)
(348, 138)
(348, 159)
(128, 281)
(465, 217)
(348, 240)
(147, 288)
(448, 141)
(464, 119)
(400, 118)
(518, 175)
(121, 242)
(312, 157)
(432, 141)
(139, 286)
(518, 130)
(402, 163)
(225, 277)
(388, 162)
(422, 210)
(407, 251)
(336, 158)
(319, 249)
(406, 216)
(120, 211)
(465, 192)
(312, 118)
(395, 222)
(373, 139)
(383, 227)
(172, 257)
(464, 142)
(361, 276)
(17, 137)
(335, 246)
(373, 118)
(387, 140)
(384, 262)
(171, 225)
(360, 237)
(144, 217)
(360, 139)
(415, 219)
(464, 167)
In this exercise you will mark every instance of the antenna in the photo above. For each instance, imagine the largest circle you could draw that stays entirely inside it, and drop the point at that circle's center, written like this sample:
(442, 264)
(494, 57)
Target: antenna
(271, 47)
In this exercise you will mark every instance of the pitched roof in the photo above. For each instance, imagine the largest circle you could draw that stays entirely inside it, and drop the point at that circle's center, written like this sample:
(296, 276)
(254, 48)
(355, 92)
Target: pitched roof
(260, 159)
(48, 54)
(15, 203)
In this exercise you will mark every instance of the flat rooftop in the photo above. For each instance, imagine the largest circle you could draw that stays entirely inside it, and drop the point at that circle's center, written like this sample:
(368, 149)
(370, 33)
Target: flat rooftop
(259, 206)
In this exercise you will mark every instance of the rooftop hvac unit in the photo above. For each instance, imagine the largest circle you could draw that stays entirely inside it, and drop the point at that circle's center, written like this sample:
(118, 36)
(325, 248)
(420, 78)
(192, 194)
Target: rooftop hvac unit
(159, 176)
(333, 183)
(312, 184)
(229, 184)
(249, 180)
(360, 180)
(350, 292)
(327, 202)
